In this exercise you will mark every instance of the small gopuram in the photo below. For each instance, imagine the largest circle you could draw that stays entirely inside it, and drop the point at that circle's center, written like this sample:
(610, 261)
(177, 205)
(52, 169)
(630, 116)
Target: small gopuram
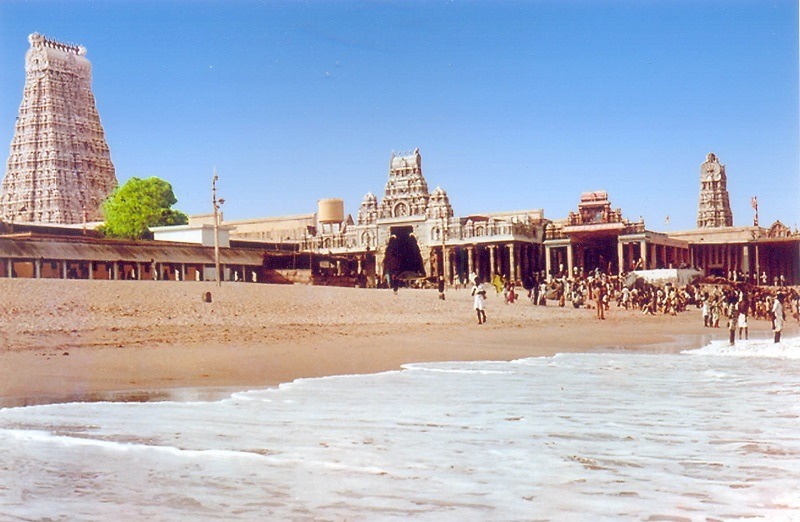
(597, 237)
(714, 210)
(59, 169)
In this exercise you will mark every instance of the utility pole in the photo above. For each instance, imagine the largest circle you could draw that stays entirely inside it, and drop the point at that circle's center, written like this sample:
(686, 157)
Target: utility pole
(444, 248)
(216, 204)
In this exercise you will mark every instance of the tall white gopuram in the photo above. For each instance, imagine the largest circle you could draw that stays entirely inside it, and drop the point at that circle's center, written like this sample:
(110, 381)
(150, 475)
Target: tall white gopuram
(714, 209)
(59, 169)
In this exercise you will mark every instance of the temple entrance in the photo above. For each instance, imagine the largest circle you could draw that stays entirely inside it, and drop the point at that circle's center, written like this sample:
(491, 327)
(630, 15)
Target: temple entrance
(402, 253)
(597, 253)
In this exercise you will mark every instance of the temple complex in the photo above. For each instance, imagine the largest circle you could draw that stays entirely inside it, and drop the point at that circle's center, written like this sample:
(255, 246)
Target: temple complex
(59, 169)
(410, 230)
(414, 233)
(59, 172)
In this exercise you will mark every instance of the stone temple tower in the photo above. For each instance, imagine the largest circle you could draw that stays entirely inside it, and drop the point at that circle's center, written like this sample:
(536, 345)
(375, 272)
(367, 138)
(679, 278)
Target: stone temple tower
(59, 169)
(406, 191)
(715, 207)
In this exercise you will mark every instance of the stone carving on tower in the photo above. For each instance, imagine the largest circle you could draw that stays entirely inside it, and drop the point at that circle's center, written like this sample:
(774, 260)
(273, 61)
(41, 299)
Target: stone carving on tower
(439, 205)
(59, 169)
(406, 191)
(715, 209)
(368, 212)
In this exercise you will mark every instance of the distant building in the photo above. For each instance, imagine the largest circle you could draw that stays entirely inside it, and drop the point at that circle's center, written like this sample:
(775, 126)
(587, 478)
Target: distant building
(59, 169)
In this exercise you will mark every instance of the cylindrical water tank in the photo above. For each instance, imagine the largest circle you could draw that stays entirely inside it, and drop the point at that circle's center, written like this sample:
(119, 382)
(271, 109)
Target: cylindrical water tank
(330, 210)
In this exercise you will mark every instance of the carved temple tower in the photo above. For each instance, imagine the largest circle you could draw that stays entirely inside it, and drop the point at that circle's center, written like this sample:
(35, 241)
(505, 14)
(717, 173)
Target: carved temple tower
(406, 191)
(715, 209)
(59, 169)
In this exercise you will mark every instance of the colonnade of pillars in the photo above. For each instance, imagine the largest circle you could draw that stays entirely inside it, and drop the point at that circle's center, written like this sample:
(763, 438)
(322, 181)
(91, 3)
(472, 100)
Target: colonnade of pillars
(630, 255)
(515, 261)
(64, 269)
(724, 257)
(764, 262)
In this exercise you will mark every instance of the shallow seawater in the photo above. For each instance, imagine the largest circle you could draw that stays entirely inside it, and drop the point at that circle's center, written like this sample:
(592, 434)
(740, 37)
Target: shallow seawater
(712, 433)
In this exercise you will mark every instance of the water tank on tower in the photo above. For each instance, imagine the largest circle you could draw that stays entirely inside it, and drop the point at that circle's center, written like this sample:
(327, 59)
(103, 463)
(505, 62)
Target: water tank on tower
(330, 212)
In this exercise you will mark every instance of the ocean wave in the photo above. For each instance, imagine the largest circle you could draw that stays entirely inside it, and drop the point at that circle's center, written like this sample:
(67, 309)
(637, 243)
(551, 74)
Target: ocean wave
(466, 367)
(788, 348)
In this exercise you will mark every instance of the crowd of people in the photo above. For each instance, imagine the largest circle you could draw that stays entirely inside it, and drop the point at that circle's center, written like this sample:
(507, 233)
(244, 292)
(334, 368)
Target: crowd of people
(734, 300)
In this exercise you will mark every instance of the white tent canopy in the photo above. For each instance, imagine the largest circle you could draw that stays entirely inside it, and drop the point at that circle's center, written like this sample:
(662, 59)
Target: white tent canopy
(660, 277)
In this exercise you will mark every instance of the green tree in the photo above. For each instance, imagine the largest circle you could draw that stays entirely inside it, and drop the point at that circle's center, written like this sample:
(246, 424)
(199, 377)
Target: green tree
(139, 204)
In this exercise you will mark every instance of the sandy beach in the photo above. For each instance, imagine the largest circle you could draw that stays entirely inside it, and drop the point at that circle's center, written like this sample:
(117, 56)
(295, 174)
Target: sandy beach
(135, 340)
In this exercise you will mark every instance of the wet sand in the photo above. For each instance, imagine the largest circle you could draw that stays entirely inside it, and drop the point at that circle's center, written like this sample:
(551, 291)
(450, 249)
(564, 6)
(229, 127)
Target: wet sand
(149, 340)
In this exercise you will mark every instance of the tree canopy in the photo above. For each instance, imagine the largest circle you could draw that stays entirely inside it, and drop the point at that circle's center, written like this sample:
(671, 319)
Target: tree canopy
(139, 204)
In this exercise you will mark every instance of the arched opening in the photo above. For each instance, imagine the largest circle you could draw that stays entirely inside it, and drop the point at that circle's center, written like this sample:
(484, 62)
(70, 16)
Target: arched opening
(402, 253)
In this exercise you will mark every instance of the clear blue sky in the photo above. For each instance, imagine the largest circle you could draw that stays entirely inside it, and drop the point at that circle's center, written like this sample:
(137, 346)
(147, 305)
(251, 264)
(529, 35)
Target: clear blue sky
(514, 105)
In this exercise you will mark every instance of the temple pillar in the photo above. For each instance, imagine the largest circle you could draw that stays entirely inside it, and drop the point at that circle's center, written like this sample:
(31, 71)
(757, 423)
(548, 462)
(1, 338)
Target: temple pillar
(37, 268)
(491, 261)
(451, 261)
(470, 263)
(758, 267)
(643, 249)
(445, 262)
(745, 259)
(547, 262)
(512, 263)
(569, 260)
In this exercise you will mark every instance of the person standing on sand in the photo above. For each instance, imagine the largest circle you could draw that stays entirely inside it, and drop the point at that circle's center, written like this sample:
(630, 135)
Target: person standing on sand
(600, 293)
(706, 309)
(497, 282)
(778, 317)
(441, 288)
(479, 294)
(715, 311)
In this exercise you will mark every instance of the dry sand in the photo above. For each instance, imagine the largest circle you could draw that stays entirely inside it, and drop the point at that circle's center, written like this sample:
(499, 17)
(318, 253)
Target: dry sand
(84, 340)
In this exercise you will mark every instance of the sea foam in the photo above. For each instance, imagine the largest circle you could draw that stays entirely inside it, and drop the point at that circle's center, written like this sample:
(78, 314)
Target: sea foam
(618, 436)
(788, 348)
